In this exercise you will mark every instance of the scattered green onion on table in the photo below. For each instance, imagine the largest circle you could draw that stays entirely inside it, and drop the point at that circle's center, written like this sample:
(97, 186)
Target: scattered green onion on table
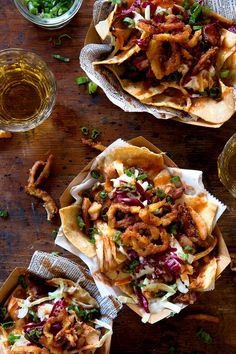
(48, 8)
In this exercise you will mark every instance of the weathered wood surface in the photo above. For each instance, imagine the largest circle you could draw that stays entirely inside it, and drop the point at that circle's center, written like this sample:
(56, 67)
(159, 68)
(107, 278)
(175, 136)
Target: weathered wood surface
(27, 230)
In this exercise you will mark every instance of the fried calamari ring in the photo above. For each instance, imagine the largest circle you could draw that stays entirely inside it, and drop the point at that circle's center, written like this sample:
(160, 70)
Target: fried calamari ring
(114, 208)
(143, 244)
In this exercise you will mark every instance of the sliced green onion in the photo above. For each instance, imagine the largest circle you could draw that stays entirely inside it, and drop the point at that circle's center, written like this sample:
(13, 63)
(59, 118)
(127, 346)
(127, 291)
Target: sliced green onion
(103, 195)
(224, 74)
(84, 130)
(116, 238)
(173, 229)
(33, 315)
(196, 28)
(82, 80)
(95, 174)
(129, 172)
(61, 57)
(129, 21)
(142, 176)
(55, 254)
(189, 249)
(92, 87)
(169, 199)
(195, 11)
(203, 93)
(204, 336)
(9, 324)
(160, 193)
(95, 133)
(80, 221)
(4, 214)
(175, 179)
(186, 4)
(140, 285)
(132, 266)
(118, 2)
(12, 338)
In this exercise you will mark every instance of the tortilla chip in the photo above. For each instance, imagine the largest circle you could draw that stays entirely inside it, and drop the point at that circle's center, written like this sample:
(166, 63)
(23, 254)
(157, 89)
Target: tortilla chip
(135, 156)
(172, 97)
(230, 64)
(136, 89)
(103, 27)
(206, 278)
(72, 231)
(228, 47)
(215, 111)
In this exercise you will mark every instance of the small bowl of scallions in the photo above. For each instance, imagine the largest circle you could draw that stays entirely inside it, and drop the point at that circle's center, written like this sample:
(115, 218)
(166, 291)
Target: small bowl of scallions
(50, 14)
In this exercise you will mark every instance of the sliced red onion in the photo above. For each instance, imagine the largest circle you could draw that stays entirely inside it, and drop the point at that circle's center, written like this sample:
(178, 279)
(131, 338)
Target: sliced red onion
(31, 326)
(132, 255)
(130, 201)
(232, 29)
(57, 307)
(141, 299)
(55, 328)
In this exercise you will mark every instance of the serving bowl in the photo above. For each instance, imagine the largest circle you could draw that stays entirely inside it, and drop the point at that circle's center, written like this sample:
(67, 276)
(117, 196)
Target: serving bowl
(48, 23)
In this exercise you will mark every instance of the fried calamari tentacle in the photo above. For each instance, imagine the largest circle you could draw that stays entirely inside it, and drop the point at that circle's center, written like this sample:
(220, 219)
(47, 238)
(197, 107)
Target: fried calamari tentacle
(49, 203)
(37, 175)
(206, 60)
(199, 224)
(118, 207)
(85, 207)
(143, 244)
(96, 145)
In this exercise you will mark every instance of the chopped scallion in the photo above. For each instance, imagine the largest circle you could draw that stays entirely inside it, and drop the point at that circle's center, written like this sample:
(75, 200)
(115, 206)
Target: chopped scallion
(4, 214)
(61, 57)
(84, 130)
(92, 87)
(224, 74)
(81, 80)
(95, 133)
(130, 22)
(95, 174)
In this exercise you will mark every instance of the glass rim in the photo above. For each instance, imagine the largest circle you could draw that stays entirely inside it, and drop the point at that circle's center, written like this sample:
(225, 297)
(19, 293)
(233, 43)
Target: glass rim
(48, 22)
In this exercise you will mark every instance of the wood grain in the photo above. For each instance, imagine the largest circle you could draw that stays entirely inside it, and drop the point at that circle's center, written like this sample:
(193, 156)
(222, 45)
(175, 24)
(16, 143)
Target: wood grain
(27, 230)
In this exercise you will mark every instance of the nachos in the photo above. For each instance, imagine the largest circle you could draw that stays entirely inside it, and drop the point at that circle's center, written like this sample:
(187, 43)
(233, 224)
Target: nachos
(174, 54)
(153, 238)
(53, 316)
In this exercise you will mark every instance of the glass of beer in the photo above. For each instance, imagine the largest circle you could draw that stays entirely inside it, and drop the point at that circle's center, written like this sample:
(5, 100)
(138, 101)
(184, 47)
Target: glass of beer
(27, 90)
(227, 165)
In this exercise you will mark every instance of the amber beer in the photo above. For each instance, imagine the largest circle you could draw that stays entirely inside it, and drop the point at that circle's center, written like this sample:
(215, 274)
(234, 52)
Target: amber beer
(27, 90)
(227, 165)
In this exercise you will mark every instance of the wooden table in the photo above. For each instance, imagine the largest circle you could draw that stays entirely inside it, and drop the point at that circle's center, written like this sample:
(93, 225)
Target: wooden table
(27, 230)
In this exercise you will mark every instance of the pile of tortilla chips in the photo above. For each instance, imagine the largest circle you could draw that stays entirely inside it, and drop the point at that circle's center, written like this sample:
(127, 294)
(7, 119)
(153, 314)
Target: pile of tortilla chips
(173, 54)
(134, 207)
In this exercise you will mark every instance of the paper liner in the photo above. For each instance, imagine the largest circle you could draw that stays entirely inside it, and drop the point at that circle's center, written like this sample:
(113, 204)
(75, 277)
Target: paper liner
(66, 199)
(49, 266)
(103, 77)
